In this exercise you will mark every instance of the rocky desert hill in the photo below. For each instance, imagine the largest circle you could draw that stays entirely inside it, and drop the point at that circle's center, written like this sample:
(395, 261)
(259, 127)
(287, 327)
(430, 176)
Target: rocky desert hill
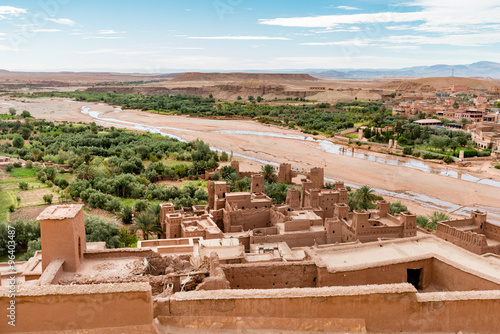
(440, 83)
(273, 77)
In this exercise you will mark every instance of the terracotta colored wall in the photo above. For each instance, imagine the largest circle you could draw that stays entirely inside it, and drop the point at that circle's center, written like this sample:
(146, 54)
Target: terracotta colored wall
(447, 277)
(386, 308)
(52, 308)
(265, 276)
(249, 219)
(395, 273)
(295, 239)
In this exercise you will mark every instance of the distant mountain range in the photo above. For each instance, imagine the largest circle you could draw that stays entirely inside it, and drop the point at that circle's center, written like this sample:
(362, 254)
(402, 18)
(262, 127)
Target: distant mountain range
(484, 69)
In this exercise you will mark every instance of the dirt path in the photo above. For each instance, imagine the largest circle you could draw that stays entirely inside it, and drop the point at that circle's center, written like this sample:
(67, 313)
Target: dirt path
(302, 154)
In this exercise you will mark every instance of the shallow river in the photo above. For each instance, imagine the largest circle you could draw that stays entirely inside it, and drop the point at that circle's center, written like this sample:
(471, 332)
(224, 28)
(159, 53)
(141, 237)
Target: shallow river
(331, 148)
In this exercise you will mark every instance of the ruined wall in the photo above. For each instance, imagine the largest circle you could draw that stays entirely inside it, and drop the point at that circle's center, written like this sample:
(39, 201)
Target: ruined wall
(385, 308)
(71, 307)
(271, 275)
(451, 278)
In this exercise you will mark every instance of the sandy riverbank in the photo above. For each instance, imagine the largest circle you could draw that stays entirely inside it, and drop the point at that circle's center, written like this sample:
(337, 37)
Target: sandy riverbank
(302, 154)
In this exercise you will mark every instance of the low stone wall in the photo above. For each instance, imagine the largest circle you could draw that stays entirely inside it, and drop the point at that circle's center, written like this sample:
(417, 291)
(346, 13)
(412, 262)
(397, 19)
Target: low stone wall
(271, 276)
(73, 307)
(52, 272)
(117, 252)
(385, 308)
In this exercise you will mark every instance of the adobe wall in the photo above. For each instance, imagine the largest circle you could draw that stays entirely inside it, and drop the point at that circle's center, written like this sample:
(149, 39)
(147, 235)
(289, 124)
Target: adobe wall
(271, 275)
(249, 219)
(492, 231)
(71, 307)
(450, 278)
(295, 239)
(384, 274)
(117, 252)
(385, 308)
(370, 233)
(471, 241)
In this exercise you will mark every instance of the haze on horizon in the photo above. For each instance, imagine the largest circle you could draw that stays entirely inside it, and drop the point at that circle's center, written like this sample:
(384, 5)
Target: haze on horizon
(158, 35)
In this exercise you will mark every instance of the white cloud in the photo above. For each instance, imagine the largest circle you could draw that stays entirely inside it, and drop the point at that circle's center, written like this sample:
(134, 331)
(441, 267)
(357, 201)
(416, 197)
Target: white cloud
(327, 21)
(351, 42)
(252, 38)
(118, 52)
(12, 11)
(347, 8)
(103, 37)
(46, 30)
(109, 32)
(189, 48)
(66, 22)
(7, 48)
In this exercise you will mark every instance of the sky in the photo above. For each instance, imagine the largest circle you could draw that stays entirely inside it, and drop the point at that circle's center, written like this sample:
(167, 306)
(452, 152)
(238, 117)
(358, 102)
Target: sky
(155, 36)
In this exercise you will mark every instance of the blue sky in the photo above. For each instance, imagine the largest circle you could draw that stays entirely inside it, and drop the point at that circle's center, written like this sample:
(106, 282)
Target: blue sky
(158, 35)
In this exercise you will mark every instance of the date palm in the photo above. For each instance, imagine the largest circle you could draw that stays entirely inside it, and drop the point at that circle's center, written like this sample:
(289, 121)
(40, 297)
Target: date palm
(145, 222)
(269, 173)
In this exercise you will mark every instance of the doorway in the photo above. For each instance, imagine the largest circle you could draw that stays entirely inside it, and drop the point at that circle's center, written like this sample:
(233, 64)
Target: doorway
(413, 277)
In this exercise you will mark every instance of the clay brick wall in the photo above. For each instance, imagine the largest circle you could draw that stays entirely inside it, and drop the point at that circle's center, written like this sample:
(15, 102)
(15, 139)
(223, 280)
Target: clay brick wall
(385, 308)
(72, 307)
(471, 241)
(385, 274)
(295, 239)
(450, 278)
(248, 219)
(271, 276)
(492, 231)
(370, 233)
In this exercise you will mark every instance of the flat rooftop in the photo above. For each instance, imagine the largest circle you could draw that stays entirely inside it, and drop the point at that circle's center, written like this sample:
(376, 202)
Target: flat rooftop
(357, 256)
(60, 212)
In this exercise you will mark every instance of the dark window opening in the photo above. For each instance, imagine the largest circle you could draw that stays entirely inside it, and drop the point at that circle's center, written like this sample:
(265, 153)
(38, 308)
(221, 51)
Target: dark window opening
(413, 277)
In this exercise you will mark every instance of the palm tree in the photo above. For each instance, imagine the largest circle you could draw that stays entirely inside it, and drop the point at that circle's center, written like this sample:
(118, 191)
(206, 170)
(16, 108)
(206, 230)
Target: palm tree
(280, 193)
(269, 173)
(146, 223)
(435, 218)
(86, 172)
(365, 197)
(122, 184)
(126, 215)
(241, 185)
(36, 152)
(155, 211)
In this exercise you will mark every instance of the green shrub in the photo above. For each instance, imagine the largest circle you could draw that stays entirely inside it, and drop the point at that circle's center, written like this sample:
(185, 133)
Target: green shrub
(9, 167)
(12, 208)
(29, 165)
(398, 207)
(447, 159)
(140, 205)
(408, 151)
(497, 166)
(23, 185)
(98, 230)
(47, 198)
(17, 164)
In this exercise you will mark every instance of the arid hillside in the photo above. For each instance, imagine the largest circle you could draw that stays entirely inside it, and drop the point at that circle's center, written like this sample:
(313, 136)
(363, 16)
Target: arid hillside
(440, 83)
(274, 77)
(65, 78)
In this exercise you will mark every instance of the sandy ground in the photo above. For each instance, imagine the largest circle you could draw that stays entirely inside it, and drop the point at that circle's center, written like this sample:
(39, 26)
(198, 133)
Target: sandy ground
(302, 154)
